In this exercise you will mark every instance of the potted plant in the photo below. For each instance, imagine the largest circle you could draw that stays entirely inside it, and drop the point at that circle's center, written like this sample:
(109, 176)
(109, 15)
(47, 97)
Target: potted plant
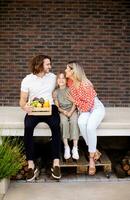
(11, 161)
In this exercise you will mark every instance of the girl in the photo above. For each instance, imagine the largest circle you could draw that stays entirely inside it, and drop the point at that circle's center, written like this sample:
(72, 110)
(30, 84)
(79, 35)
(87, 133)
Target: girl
(68, 116)
(92, 111)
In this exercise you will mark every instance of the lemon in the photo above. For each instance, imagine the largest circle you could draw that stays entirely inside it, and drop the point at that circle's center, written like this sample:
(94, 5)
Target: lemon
(46, 104)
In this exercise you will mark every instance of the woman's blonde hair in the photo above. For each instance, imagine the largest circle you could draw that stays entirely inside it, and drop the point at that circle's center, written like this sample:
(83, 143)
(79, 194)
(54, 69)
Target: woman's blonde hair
(79, 73)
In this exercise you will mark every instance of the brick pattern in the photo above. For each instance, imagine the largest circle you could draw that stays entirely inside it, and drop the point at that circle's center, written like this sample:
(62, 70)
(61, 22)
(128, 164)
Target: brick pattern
(96, 33)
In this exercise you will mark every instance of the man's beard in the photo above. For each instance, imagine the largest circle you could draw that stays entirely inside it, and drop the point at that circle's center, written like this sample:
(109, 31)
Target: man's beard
(46, 71)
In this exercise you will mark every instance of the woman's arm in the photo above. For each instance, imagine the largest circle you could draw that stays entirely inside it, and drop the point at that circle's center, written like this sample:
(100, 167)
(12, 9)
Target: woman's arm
(85, 100)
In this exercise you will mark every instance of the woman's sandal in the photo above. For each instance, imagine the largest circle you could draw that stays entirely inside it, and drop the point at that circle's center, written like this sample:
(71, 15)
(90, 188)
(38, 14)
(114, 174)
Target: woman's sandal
(97, 155)
(92, 170)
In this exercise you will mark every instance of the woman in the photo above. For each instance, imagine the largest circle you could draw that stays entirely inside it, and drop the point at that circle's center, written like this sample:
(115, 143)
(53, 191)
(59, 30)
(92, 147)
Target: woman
(91, 110)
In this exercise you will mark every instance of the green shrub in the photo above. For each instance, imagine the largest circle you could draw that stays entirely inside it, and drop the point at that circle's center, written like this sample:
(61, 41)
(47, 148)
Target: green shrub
(11, 157)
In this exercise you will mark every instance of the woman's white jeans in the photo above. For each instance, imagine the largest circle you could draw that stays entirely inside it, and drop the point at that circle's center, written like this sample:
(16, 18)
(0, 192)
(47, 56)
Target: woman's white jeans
(88, 123)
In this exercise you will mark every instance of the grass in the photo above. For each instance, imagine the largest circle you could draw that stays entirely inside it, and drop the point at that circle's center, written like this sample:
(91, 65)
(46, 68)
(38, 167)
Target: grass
(11, 157)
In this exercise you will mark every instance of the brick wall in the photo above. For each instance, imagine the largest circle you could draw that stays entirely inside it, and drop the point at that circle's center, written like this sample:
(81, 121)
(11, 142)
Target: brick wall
(94, 32)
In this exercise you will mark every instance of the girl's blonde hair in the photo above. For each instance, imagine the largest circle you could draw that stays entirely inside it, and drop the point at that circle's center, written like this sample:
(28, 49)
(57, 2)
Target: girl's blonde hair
(57, 76)
(79, 73)
(59, 73)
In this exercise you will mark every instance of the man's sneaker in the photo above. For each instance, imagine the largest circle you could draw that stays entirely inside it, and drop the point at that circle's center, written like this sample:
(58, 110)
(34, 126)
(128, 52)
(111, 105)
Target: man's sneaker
(32, 174)
(67, 154)
(75, 154)
(56, 173)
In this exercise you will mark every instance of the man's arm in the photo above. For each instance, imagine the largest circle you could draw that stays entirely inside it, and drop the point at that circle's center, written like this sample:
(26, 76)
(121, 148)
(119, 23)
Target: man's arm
(23, 102)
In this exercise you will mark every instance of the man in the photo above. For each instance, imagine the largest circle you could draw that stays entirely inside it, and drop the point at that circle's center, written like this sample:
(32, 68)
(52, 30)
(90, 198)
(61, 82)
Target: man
(40, 83)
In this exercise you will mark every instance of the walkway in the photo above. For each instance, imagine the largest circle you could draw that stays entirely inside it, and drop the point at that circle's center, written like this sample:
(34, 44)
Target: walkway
(69, 191)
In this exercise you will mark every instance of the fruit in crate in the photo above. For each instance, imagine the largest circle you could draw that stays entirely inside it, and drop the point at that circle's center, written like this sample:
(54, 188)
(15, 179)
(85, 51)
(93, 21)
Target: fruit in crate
(46, 104)
(34, 103)
(40, 103)
(40, 107)
(37, 102)
(41, 100)
(36, 99)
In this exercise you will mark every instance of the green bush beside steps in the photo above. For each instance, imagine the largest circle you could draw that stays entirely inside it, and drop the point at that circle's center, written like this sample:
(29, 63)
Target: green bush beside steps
(11, 157)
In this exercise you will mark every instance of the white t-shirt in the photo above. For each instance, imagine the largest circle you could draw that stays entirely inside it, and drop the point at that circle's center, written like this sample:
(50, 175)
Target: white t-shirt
(39, 87)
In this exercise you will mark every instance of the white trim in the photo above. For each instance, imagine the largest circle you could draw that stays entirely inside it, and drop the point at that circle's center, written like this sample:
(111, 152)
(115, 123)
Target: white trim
(20, 132)
(47, 132)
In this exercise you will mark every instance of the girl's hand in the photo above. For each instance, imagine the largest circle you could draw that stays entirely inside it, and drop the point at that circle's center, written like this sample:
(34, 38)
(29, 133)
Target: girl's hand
(65, 113)
(69, 114)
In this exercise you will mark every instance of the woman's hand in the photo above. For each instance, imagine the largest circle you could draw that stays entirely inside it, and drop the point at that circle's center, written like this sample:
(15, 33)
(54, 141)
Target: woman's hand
(69, 97)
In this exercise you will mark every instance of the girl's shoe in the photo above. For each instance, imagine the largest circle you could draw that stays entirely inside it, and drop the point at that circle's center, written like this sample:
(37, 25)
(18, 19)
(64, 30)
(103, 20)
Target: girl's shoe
(67, 154)
(75, 154)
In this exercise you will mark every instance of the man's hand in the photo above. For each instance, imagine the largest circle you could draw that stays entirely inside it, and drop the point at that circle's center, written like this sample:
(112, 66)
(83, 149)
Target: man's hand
(23, 102)
(27, 108)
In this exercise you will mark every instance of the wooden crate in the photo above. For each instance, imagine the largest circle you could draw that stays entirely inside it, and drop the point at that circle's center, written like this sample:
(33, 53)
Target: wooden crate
(82, 164)
(41, 111)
